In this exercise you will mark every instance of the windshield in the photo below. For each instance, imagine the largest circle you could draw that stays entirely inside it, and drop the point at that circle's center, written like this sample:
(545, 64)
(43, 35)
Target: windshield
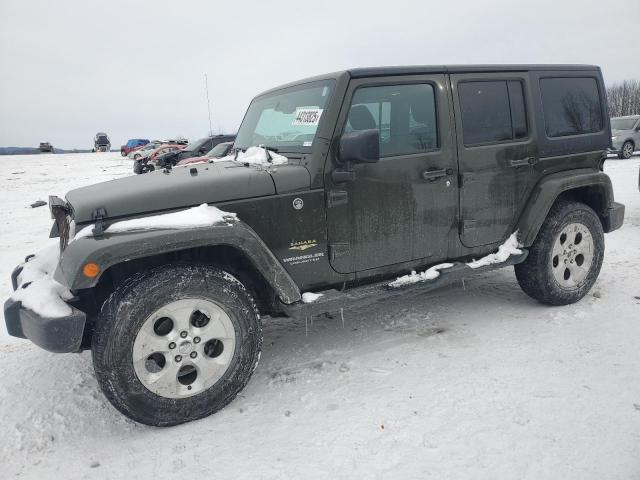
(193, 146)
(287, 119)
(623, 123)
(219, 150)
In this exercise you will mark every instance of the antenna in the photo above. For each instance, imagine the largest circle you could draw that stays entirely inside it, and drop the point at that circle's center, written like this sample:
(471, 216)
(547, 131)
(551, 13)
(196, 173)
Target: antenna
(206, 87)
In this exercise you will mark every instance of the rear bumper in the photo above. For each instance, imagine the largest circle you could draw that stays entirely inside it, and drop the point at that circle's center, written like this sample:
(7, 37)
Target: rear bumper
(59, 335)
(614, 218)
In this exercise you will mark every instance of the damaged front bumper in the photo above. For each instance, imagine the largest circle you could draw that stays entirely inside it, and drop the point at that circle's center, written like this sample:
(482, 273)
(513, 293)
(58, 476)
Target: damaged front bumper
(59, 335)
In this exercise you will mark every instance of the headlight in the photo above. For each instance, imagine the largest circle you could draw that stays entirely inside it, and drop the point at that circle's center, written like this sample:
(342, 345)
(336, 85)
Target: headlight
(613, 138)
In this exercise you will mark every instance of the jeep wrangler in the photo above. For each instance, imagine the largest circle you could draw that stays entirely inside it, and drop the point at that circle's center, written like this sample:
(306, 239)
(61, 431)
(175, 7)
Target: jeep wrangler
(386, 171)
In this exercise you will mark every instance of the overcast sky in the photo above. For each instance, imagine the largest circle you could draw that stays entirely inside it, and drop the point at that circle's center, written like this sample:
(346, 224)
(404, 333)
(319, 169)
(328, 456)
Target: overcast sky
(69, 69)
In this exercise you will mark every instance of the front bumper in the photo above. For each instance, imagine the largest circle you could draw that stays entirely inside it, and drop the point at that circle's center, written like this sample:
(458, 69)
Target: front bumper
(614, 218)
(59, 335)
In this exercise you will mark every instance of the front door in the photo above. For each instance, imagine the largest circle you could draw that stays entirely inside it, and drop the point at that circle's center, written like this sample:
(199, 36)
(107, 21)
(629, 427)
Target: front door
(497, 149)
(402, 208)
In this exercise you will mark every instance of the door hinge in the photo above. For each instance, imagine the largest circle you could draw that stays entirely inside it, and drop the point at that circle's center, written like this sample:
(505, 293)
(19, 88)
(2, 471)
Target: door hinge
(466, 225)
(339, 250)
(337, 197)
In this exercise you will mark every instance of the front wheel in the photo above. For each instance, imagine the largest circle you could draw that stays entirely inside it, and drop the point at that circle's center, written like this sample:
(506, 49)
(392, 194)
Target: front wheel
(565, 259)
(176, 344)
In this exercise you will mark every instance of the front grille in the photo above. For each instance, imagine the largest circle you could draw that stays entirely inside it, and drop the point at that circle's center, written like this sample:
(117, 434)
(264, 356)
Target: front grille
(63, 222)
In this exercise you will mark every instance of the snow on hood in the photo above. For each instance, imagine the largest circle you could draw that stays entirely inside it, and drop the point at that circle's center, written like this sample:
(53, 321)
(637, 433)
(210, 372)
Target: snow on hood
(256, 156)
(42, 293)
(201, 216)
(508, 248)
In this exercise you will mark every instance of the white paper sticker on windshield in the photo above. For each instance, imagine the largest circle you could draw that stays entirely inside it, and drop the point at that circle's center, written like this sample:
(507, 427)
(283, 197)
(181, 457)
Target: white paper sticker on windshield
(307, 116)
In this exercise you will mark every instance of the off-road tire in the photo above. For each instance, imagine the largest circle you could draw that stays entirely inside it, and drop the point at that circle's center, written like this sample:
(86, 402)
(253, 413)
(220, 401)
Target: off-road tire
(123, 153)
(626, 152)
(535, 274)
(122, 317)
(138, 168)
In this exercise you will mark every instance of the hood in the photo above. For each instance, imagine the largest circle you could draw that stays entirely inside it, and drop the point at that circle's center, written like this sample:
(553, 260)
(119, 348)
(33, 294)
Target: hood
(180, 188)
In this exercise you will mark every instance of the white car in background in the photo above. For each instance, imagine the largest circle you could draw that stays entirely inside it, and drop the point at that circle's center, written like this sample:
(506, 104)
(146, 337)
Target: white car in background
(143, 152)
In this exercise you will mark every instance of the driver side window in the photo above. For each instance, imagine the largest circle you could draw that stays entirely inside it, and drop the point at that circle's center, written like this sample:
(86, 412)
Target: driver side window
(404, 115)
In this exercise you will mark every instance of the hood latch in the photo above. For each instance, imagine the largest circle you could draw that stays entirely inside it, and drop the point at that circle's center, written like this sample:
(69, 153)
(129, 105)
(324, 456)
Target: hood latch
(98, 216)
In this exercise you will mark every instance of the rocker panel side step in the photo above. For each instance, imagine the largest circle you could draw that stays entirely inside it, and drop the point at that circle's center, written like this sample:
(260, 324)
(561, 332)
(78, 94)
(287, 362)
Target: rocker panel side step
(333, 300)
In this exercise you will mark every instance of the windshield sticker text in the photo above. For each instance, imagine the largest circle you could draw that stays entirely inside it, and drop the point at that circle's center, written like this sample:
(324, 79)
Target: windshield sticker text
(307, 116)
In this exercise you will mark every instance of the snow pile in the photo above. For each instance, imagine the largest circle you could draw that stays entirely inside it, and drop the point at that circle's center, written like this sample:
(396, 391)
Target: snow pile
(257, 156)
(201, 216)
(310, 297)
(508, 248)
(42, 293)
(413, 277)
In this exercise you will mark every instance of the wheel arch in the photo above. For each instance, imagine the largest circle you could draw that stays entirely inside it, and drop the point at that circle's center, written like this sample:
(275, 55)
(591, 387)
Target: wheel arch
(235, 248)
(586, 186)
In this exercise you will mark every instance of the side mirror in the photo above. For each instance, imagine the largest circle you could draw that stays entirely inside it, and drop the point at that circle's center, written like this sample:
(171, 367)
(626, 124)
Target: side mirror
(361, 146)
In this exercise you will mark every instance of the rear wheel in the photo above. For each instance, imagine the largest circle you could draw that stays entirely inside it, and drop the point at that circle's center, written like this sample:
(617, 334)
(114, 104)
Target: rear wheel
(176, 344)
(626, 151)
(565, 260)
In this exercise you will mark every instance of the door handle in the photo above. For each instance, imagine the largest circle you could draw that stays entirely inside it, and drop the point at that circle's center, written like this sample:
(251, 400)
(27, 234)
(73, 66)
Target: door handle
(523, 162)
(433, 175)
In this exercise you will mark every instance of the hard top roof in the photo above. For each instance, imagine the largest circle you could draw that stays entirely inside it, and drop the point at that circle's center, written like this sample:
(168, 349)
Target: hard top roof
(429, 69)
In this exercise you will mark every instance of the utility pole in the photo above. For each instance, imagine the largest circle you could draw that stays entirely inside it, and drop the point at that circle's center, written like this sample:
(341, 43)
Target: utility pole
(206, 87)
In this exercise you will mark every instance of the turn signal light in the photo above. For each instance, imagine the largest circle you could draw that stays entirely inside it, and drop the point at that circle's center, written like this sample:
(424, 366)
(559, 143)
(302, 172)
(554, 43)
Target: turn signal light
(91, 270)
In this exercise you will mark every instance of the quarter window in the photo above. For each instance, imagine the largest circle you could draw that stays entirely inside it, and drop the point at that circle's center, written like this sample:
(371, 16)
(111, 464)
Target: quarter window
(492, 111)
(404, 115)
(571, 106)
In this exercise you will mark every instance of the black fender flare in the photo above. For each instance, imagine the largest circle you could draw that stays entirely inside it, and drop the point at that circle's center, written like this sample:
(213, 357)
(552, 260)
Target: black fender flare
(550, 187)
(108, 250)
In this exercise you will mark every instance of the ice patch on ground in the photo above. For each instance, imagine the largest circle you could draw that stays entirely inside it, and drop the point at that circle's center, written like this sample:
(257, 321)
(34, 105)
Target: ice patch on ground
(43, 294)
(201, 216)
(511, 246)
(310, 297)
(256, 156)
(413, 277)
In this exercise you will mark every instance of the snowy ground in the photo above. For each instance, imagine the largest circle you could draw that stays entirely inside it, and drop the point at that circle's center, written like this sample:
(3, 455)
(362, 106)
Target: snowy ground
(482, 383)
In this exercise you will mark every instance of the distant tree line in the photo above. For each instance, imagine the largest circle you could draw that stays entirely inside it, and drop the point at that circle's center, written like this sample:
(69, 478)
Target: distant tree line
(624, 98)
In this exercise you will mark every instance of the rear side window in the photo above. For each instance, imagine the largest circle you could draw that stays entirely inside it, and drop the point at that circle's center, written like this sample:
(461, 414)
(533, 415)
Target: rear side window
(492, 112)
(571, 106)
(404, 115)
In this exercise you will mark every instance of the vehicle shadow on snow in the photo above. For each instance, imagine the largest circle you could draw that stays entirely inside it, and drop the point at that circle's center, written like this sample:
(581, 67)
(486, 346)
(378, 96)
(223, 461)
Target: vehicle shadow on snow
(49, 397)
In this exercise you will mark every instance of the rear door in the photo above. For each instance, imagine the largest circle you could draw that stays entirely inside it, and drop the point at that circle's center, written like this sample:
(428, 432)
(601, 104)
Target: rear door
(401, 208)
(497, 149)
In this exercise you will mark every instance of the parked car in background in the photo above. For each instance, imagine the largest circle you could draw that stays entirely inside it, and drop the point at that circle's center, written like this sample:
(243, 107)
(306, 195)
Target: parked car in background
(219, 151)
(131, 144)
(625, 135)
(144, 151)
(101, 142)
(194, 149)
(45, 147)
(148, 164)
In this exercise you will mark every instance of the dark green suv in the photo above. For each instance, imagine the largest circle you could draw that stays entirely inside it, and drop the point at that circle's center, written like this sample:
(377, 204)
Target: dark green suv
(341, 189)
